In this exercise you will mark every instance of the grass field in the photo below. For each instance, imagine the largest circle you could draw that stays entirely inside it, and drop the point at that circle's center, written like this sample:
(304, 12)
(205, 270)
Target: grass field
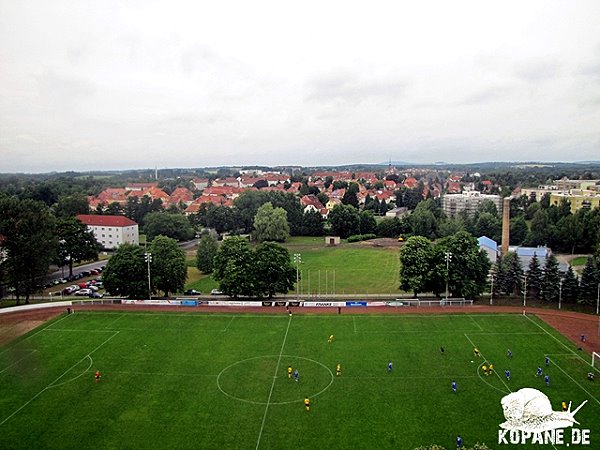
(345, 269)
(217, 381)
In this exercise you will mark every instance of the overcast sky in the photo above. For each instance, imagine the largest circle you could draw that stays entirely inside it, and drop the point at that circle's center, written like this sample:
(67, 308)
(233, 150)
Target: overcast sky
(104, 84)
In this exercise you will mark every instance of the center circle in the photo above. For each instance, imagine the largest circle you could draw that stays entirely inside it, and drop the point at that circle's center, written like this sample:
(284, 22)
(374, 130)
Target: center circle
(251, 380)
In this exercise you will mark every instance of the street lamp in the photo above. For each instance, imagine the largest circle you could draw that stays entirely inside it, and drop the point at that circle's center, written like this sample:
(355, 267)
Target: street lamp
(297, 260)
(492, 288)
(448, 259)
(148, 259)
(598, 300)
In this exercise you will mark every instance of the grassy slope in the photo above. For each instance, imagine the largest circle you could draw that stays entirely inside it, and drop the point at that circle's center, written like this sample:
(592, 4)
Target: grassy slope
(162, 372)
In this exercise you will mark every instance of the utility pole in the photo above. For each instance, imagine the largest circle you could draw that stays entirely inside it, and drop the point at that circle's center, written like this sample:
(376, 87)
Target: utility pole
(297, 260)
(525, 291)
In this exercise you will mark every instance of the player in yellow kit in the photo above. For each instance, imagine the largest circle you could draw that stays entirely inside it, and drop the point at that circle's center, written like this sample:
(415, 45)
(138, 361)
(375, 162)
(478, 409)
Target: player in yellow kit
(338, 370)
(289, 372)
(307, 404)
(330, 340)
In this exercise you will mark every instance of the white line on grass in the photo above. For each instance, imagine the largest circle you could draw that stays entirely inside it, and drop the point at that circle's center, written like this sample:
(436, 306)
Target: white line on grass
(166, 374)
(79, 330)
(475, 322)
(273, 383)
(495, 372)
(112, 323)
(31, 352)
(561, 343)
(229, 323)
(51, 385)
(582, 388)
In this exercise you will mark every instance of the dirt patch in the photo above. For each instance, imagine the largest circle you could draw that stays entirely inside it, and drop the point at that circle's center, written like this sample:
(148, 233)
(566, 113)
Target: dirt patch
(13, 325)
(382, 242)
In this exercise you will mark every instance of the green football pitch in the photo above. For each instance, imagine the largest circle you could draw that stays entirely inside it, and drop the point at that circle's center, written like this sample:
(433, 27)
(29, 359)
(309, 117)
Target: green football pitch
(219, 381)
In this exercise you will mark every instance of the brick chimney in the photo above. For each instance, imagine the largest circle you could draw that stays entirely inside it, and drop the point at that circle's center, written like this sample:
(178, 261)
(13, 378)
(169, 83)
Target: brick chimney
(505, 225)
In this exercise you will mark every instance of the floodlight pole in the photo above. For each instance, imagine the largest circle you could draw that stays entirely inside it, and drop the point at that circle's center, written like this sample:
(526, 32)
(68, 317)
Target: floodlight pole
(525, 292)
(492, 289)
(559, 292)
(297, 260)
(148, 259)
(448, 259)
(598, 300)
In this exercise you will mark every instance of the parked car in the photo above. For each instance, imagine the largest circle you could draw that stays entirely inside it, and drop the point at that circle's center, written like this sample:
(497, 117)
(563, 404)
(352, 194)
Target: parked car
(95, 295)
(93, 288)
(192, 292)
(83, 292)
(94, 272)
(216, 292)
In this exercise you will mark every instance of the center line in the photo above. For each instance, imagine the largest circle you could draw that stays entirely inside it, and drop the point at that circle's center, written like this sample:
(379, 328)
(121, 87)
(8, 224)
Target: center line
(273, 384)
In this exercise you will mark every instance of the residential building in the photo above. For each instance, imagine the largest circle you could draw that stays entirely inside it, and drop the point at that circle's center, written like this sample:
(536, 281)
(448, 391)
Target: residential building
(490, 247)
(111, 231)
(453, 204)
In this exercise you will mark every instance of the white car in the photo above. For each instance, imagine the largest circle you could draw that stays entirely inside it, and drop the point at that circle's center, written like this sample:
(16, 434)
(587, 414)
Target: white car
(216, 292)
(84, 292)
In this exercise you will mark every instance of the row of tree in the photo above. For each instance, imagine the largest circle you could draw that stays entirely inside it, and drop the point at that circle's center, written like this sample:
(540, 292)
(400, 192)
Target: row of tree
(546, 283)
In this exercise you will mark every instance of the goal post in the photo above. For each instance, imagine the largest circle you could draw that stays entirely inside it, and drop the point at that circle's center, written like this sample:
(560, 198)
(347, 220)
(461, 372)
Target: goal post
(596, 361)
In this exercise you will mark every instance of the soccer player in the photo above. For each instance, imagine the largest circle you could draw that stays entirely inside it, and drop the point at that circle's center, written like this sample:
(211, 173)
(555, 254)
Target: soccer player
(458, 441)
(290, 372)
(547, 380)
(476, 351)
(582, 338)
(97, 376)
(590, 376)
(296, 376)
(509, 353)
(491, 369)
(485, 369)
(547, 361)
(454, 386)
(330, 340)
(564, 406)
(307, 404)
(390, 368)
(338, 370)
(442, 350)
(539, 372)
(507, 374)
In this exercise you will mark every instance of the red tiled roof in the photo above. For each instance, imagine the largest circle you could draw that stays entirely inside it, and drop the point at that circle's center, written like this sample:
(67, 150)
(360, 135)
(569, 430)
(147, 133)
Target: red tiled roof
(106, 221)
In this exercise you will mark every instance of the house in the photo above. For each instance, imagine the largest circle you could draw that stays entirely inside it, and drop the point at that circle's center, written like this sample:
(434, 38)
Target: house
(399, 212)
(490, 247)
(111, 231)
(311, 203)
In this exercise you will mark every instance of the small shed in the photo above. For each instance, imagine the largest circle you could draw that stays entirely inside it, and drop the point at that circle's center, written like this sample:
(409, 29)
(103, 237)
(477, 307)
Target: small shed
(332, 240)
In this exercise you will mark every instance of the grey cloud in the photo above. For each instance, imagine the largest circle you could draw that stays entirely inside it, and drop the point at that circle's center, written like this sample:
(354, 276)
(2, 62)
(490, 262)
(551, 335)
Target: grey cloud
(488, 95)
(346, 86)
(201, 58)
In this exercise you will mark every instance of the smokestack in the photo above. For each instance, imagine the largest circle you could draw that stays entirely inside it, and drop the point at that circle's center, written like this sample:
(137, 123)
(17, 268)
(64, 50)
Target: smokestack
(505, 225)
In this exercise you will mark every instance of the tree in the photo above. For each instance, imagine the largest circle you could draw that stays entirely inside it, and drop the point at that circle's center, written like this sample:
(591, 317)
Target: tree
(588, 286)
(468, 268)
(535, 277)
(233, 267)
(344, 220)
(423, 223)
(350, 197)
(312, 224)
(488, 225)
(274, 271)
(518, 230)
(367, 223)
(539, 230)
(415, 257)
(551, 281)
(126, 272)
(168, 267)
(391, 228)
(510, 274)
(570, 286)
(175, 226)
(270, 224)
(71, 205)
(29, 244)
(205, 255)
(75, 243)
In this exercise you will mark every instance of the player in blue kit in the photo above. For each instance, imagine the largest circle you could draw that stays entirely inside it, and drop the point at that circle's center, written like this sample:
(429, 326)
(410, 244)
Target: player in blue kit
(539, 372)
(547, 361)
(296, 376)
(458, 441)
(390, 368)
(454, 386)
(547, 380)
(507, 374)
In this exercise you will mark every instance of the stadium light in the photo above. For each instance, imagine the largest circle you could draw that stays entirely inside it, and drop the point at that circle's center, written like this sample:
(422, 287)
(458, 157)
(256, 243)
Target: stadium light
(448, 259)
(559, 292)
(525, 292)
(297, 260)
(148, 259)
